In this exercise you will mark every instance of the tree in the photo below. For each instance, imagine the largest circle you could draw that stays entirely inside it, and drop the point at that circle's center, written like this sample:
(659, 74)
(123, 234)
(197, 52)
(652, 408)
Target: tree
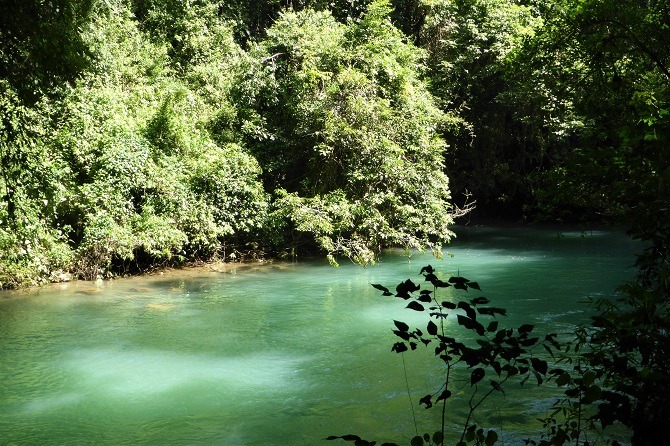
(346, 133)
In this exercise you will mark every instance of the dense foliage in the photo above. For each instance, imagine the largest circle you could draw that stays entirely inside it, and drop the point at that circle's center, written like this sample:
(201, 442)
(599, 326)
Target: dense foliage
(170, 130)
(158, 138)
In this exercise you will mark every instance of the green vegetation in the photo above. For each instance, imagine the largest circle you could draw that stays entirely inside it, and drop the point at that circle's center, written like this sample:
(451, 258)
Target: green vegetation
(136, 133)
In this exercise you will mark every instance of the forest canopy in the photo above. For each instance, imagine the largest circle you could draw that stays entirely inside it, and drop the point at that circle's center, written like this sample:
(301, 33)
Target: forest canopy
(136, 133)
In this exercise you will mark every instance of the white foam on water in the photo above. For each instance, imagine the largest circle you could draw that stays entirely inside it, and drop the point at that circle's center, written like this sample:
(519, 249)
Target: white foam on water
(51, 403)
(138, 373)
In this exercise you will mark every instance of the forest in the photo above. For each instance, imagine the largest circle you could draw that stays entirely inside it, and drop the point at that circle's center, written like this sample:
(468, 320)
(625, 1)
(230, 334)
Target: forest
(143, 133)
(136, 134)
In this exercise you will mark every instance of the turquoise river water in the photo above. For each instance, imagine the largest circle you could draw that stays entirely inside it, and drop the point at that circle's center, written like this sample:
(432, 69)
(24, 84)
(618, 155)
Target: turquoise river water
(281, 353)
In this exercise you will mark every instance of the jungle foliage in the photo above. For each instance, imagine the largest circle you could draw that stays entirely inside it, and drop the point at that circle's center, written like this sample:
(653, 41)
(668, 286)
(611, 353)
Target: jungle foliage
(140, 132)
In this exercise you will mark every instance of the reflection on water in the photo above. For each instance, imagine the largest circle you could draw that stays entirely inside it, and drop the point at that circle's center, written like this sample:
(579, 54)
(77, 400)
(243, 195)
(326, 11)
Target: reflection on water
(279, 354)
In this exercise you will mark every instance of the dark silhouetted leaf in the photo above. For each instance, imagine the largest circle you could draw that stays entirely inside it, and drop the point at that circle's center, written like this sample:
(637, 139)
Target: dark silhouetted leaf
(446, 394)
(449, 305)
(492, 311)
(470, 324)
(491, 438)
(416, 306)
(382, 288)
(496, 367)
(438, 438)
(496, 386)
(529, 342)
(563, 379)
(431, 328)
(458, 280)
(427, 269)
(404, 288)
(468, 310)
(493, 326)
(539, 365)
(348, 437)
(477, 375)
(399, 347)
(526, 328)
(480, 300)
(402, 335)
(440, 284)
(401, 325)
(426, 400)
(425, 298)
(546, 347)
(475, 285)
(416, 441)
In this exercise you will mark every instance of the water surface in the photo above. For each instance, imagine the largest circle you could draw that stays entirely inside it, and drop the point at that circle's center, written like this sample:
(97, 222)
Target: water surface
(280, 354)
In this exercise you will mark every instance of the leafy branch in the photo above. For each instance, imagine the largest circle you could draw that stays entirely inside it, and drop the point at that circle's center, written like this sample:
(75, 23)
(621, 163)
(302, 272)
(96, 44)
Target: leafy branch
(484, 348)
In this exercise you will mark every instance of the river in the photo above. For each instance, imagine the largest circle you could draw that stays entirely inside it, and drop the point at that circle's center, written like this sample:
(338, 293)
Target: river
(280, 353)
